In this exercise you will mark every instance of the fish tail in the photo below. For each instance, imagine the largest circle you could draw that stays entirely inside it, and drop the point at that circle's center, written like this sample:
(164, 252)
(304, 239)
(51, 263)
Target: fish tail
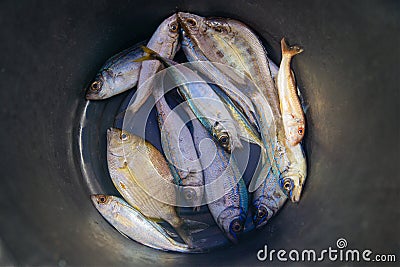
(150, 55)
(290, 50)
(189, 227)
(184, 233)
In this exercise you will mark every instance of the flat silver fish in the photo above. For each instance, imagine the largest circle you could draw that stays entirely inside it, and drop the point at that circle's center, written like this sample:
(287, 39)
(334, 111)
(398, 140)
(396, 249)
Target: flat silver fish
(143, 178)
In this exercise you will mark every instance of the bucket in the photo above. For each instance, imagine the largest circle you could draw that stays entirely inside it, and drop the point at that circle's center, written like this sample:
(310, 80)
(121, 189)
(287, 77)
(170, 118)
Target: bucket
(348, 76)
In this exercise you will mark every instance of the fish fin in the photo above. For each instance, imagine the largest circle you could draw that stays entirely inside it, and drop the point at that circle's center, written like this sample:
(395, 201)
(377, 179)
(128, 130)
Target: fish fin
(184, 233)
(199, 227)
(195, 226)
(290, 50)
(151, 55)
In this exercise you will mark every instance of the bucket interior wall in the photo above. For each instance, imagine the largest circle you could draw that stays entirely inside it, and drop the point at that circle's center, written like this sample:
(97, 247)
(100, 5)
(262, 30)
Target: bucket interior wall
(50, 50)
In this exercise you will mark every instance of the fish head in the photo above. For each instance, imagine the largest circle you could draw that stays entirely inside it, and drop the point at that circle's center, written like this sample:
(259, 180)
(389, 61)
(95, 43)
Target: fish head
(295, 131)
(222, 136)
(119, 142)
(261, 211)
(98, 89)
(292, 185)
(168, 33)
(101, 202)
(193, 25)
(292, 180)
(205, 33)
(232, 220)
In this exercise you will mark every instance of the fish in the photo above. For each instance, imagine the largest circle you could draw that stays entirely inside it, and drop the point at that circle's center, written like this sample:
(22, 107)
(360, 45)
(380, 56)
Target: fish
(291, 109)
(231, 95)
(165, 42)
(200, 62)
(141, 175)
(233, 44)
(132, 224)
(202, 99)
(179, 150)
(225, 190)
(117, 75)
(267, 200)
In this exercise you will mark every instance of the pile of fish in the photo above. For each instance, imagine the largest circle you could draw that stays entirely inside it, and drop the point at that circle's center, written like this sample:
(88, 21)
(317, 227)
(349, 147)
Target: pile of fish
(232, 94)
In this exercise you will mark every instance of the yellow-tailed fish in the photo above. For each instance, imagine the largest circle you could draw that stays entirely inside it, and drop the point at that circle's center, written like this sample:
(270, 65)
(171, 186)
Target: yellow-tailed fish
(165, 42)
(132, 224)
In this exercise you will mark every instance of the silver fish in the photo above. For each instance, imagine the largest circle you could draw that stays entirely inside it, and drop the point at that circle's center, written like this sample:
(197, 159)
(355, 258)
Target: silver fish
(267, 200)
(179, 150)
(131, 223)
(232, 43)
(199, 61)
(292, 112)
(225, 190)
(142, 176)
(165, 42)
(204, 102)
(118, 74)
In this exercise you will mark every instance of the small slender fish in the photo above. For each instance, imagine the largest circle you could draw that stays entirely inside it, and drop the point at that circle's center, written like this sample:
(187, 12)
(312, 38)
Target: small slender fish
(142, 176)
(225, 190)
(292, 112)
(132, 224)
(179, 150)
(204, 102)
(118, 74)
(165, 42)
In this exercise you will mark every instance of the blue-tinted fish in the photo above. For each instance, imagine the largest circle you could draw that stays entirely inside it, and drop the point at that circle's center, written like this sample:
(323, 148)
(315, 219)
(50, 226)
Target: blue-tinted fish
(225, 190)
(118, 74)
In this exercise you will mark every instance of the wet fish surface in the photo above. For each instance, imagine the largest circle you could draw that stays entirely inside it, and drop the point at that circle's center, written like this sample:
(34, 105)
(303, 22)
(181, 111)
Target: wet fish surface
(292, 112)
(118, 74)
(131, 223)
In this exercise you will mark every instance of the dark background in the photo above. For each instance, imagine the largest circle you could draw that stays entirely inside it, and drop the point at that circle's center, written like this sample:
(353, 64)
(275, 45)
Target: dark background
(349, 77)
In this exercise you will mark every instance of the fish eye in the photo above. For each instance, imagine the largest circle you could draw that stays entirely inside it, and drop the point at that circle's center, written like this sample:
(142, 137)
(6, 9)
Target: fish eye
(191, 22)
(124, 136)
(261, 212)
(224, 140)
(236, 226)
(95, 86)
(300, 131)
(101, 199)
(287, 184)
(173, 27)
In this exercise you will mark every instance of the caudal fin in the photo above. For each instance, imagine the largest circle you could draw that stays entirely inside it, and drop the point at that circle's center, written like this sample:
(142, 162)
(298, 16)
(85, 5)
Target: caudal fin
(151, 55)
(290, 50)
(187, 228)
